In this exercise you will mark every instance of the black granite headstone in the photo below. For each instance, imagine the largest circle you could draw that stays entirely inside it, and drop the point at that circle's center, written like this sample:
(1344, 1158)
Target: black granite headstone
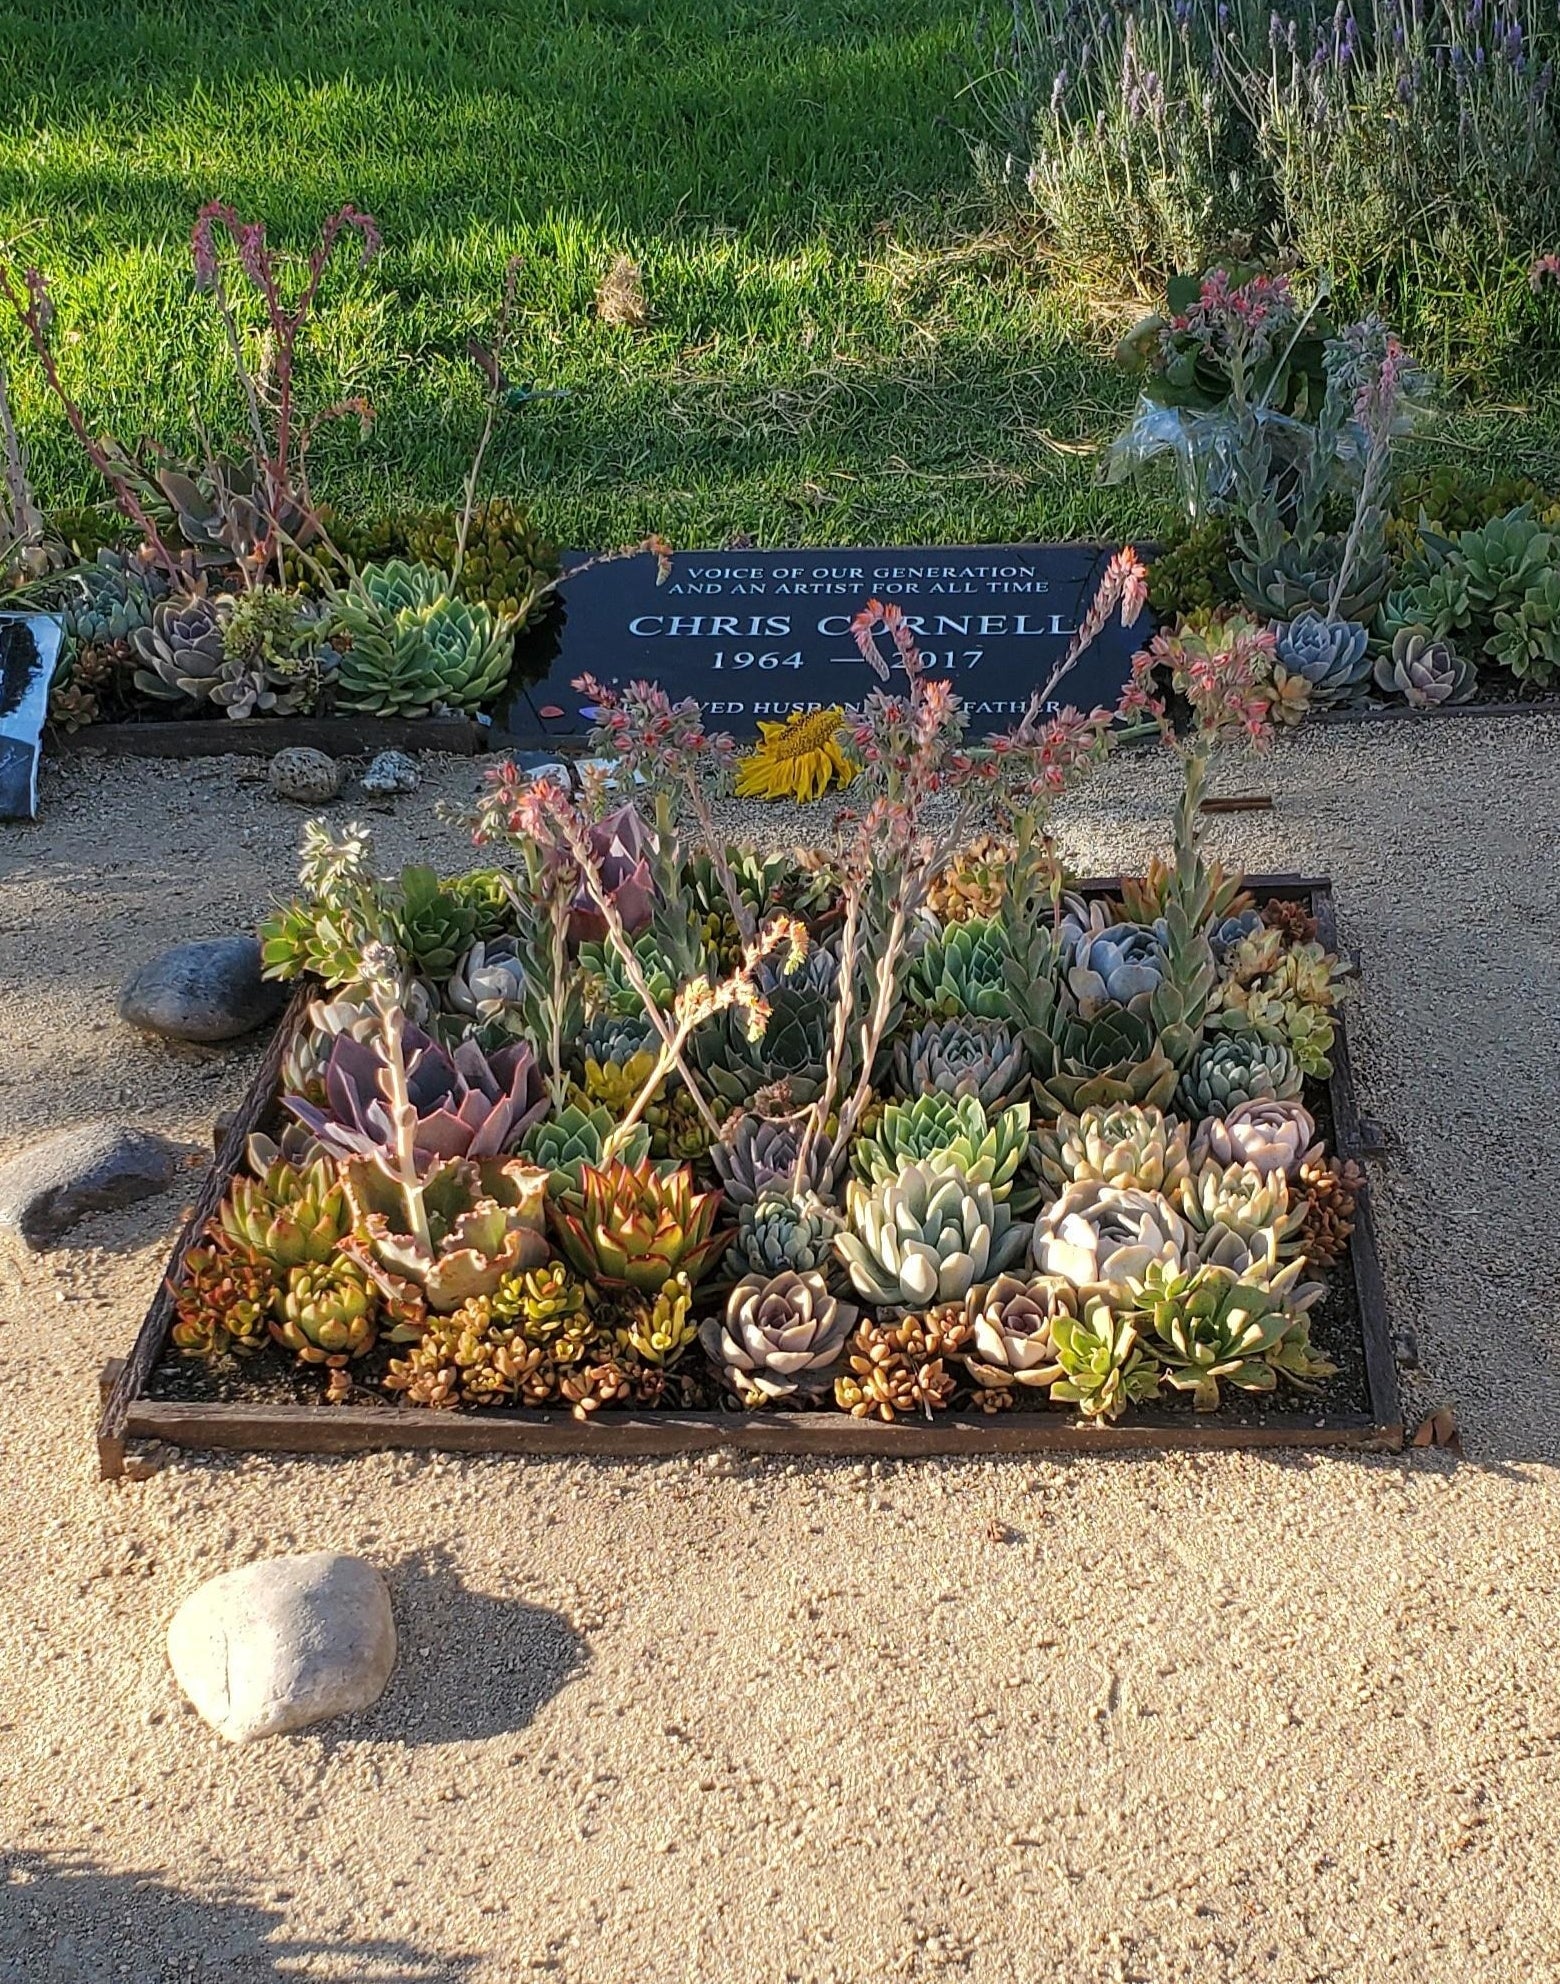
(760, 634)
(29, 648)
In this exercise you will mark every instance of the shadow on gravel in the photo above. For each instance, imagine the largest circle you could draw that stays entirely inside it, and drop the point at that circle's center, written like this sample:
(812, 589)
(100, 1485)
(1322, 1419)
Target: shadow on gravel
(472, 1664)
(65, 1921)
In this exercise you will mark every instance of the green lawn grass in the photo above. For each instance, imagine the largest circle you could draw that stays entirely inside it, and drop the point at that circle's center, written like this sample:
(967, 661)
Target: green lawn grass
(841, 346)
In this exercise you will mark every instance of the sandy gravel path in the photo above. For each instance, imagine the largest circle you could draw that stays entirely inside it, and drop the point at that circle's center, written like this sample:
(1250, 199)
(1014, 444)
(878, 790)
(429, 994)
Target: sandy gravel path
(725, 1722)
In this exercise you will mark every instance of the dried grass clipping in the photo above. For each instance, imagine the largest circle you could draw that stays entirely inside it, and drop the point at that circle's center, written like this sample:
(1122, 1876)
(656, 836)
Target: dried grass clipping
(621, 297)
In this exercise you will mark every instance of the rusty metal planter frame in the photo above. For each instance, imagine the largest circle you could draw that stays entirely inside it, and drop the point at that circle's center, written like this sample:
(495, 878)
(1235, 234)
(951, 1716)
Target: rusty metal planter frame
(129, 1414)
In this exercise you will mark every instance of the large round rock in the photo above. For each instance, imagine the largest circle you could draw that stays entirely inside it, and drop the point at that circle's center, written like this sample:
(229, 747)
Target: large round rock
(204, 992)
(91, 1167)
(284, 1643)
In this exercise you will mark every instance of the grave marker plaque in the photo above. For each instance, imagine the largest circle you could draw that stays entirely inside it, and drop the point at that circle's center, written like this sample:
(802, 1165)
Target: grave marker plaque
(758, 635)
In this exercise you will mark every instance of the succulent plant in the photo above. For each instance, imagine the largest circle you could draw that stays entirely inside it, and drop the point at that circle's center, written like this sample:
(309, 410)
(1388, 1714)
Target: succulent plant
(973, 883)
(620, 844)
(465, 1227)
(1330, 655)
(1113, 1059)
(896, 1369)
(1425, 672)
(1104, 1366)
(469, 1104)
(1282, 991)
(1233, 1068)
(545, 1304)
(656, 1331)
(182, 647)
(780, 1334)
(487, 986)
(289, 1215)
(468, 1358)
(988, 1151)
(564, 1144)
(414, 646)
(959, 973)
(618, 994)
(307, 1053)
(1526, 639)
(1269, 1135)
(756, 1152)
(1300, 577)
(1245, 1201)
(1110, 963)
(793, 1048)
(1332, 1188)
(779, 1230)
(959, 1058)
(107, 600)
(1118, 1144)
(222, 1304)
(1103, 1236)
(1209, 1327)
(326, 1312)
(507, 565)
(636, 1227)
(588, 1387)
(927, 1235)
(1010, 1320)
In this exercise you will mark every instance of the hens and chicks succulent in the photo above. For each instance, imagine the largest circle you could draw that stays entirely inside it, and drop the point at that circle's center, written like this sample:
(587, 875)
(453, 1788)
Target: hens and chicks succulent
(1099, 1190)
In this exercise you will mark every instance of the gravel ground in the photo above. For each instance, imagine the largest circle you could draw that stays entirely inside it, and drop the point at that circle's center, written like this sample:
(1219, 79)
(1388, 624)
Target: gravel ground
(1214, 1718)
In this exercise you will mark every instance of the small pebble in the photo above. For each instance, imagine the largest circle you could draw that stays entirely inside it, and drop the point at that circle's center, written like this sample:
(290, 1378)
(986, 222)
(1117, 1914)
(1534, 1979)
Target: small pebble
(391, 771)
(304, 774)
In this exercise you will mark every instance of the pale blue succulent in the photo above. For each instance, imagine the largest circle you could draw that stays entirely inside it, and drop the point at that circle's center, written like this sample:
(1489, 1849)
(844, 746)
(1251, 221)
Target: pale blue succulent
(1330, 654)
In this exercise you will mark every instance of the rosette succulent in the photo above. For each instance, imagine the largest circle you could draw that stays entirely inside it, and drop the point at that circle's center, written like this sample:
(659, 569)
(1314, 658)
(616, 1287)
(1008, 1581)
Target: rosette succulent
(780, 1231)
(1424, 671)
(987, 1150)
(469, 1104)
(927, 1235)
(564, 1144)
(182, 648)
(456, 1233)
(1110, 963)
(1103, 1236)
(1209, 1327)
(1268, 1135)
(779, 1335)
(289, 1215)
(636, 1227)
(756, 1153)
(957, 1058)
(1119, 1144)
(222, 1304)
(326, 1312)
(1237, 1067)
(1331, 656)
(658, 1331)
(615, 991)
(488, 984)
(959, 972)
(1104, 1366)
(1245, 1201)
(1011, 1320)
(415, 647)
(793, 1048)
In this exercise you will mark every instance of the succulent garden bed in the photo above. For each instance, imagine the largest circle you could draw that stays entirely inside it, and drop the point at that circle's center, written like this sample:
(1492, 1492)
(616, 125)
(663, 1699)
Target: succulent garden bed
(637, 1140)
(272, 1402)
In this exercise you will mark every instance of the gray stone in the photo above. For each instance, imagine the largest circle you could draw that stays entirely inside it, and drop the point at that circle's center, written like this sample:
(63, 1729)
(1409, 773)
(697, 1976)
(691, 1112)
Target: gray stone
(391, 771)
(203, 991)
(284, 1643)
(93, 1167)
(302, 773)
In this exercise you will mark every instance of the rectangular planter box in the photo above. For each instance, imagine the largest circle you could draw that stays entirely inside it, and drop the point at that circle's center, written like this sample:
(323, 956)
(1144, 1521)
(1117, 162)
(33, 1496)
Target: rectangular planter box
(130, 1413)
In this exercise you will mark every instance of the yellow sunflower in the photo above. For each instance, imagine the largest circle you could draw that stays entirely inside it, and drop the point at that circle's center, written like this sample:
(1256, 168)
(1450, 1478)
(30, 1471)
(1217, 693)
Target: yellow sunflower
(798, 759)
